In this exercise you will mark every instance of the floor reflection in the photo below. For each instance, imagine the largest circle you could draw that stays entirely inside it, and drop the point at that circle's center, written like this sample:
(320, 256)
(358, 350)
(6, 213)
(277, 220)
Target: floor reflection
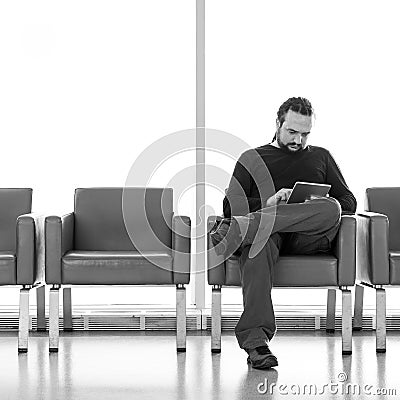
(110, 365)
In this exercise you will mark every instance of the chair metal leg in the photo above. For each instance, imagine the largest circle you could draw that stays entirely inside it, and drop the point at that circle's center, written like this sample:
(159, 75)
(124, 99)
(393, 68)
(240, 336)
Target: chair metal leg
(180, 318)
(380, 320)
(23, 325)
(67, 309)
(40, 308)
(358, 308)
(346, 321)
(54, 304)
(330, 311)
(216, 319)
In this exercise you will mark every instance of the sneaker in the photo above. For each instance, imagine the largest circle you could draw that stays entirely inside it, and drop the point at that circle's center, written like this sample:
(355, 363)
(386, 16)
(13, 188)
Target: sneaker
(227, 232)
(261, 358)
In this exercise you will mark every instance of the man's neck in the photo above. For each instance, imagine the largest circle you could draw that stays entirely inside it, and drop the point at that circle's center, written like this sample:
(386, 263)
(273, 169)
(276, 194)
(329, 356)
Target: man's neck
(275, 144)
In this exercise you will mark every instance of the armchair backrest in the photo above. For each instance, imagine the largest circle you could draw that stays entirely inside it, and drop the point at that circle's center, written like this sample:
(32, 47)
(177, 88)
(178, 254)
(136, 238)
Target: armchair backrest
(100, 220)
(386, 200)
(13, 203)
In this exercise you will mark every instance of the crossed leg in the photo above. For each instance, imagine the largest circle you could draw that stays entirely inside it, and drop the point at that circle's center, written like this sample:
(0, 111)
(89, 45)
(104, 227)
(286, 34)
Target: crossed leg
(303, 228)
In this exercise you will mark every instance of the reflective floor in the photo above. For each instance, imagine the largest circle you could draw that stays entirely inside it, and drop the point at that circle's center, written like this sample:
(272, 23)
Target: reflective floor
(138, 365)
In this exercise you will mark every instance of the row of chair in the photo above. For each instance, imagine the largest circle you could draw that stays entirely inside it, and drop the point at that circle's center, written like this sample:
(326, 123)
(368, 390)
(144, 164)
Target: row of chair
(130, 236)
(92, 246)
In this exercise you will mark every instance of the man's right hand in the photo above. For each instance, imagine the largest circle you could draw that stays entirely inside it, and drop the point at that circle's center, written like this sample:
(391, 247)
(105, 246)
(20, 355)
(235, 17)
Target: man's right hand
(280, 196)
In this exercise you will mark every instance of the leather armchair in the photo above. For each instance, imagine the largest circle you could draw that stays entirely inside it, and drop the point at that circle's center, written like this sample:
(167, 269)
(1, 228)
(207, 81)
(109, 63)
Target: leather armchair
(332, 271)
(105, 243)
(21, 255)
(378, 254)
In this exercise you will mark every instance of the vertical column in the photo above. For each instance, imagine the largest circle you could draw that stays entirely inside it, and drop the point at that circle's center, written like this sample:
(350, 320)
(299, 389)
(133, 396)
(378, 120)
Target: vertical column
(200, 256)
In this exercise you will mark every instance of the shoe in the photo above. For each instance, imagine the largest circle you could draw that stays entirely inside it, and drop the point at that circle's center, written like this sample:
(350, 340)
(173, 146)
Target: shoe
(226, 234)
(261, 358)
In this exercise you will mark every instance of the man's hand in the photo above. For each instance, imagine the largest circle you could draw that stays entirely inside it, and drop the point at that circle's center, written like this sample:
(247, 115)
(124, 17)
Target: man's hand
(316, 197)
(279, 197)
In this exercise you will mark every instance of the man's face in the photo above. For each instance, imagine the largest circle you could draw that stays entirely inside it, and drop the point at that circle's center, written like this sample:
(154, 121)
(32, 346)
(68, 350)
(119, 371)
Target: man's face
(293, 133)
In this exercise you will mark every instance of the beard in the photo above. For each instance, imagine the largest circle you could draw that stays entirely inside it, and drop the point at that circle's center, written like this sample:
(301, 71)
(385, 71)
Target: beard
(285, 147)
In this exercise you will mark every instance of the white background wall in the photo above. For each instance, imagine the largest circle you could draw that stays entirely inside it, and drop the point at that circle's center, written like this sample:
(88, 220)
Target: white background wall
(85, 86)
(340, 54)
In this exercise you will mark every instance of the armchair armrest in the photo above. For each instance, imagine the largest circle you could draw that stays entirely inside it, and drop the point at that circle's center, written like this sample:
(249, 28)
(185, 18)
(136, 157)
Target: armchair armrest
(345, 250)
(215, 263)
(59, 238)
(373, 248)
(30, 249)
(181, 226)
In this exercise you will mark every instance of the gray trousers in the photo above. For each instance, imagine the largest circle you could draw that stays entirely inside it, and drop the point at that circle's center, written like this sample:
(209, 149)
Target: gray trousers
(303, 228)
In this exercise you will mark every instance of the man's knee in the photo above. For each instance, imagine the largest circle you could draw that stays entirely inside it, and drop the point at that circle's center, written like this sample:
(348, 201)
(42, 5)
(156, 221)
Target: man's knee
(330, 209)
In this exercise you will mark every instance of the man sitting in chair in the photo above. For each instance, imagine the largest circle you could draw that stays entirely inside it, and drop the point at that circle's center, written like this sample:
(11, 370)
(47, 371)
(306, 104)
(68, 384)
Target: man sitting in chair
(254, 216)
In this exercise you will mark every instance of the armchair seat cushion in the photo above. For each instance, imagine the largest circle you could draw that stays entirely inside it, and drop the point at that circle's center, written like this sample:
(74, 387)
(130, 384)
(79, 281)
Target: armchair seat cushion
(292, 271)
(394, 267)
(117, 268)
(8, 273)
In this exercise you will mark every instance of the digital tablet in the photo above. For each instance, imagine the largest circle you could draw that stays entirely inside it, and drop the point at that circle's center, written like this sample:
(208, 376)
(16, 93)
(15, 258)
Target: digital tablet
(303, 190)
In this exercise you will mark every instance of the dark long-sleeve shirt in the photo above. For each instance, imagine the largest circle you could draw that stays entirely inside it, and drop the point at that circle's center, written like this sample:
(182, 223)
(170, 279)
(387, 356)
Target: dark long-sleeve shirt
(261, 172)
